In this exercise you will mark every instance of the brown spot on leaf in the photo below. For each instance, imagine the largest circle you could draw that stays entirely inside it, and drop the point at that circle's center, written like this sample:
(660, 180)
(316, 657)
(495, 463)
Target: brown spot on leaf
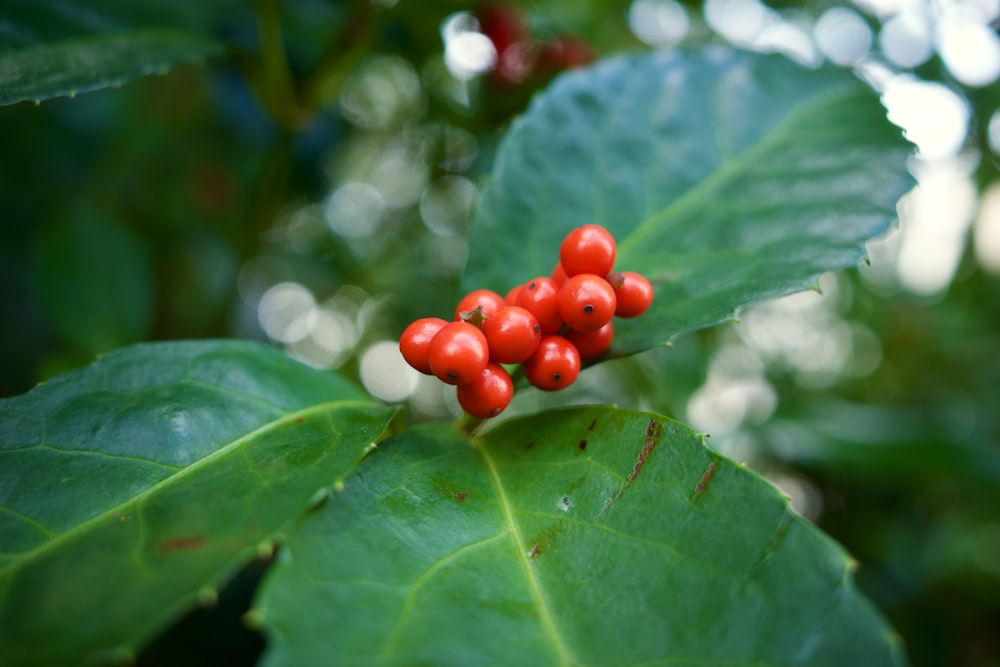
(592, 425)
(530, 444)
(299, 420)
(582, 445)
(703, 483)
(653, 432)
(181, 544)
(535, 551)
(461, 495)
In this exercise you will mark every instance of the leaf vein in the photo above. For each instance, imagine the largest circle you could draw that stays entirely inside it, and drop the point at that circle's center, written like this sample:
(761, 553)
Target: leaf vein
(137, 499)
(562, 651)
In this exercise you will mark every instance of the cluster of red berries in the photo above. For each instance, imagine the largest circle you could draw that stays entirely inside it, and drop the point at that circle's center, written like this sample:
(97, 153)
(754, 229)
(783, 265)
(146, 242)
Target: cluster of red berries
(550, 325)
(520, 54)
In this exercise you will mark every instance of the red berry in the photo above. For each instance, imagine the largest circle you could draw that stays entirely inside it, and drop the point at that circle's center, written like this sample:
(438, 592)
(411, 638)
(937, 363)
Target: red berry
(416, 340)
(587, 302)
(554, 365)
(512, 293)
(541, 297)
(513, 334)
(633, 291)
(559, 274)
(588, 249)
(488, 299)
(506, 27)
(592, 344)
(458, 353)
(489, 394)
(503, 23)
(563, 52)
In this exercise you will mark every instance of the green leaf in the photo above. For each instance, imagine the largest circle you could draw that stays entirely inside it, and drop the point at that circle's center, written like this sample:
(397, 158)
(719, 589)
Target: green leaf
(727, 178)
(131, 488)
(81, 64)
(591, 536)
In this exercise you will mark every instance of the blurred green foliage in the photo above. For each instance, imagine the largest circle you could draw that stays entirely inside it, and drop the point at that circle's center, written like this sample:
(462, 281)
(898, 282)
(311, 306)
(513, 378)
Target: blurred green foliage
(164, 209)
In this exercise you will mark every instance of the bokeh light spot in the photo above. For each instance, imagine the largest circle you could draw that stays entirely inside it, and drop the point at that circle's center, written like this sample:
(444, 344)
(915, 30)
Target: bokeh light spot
(906, 40)
(467, 52)
(987, 229)
(658, 22)
(354, 210)
(843, 36)
(385, 374)
(287, 312)
(932, 116)
(970, 50)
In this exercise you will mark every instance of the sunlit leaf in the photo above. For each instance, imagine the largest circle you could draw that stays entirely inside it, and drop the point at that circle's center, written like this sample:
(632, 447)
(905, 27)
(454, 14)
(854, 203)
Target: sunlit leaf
(132, 488)
(728, 178)
(592, 536)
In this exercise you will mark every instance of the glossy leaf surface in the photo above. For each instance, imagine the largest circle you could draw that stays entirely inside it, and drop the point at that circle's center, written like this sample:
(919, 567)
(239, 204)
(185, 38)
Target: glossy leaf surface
(50, 48)
(727, 178)
(84, 64)
(131, 488)
(592, 536)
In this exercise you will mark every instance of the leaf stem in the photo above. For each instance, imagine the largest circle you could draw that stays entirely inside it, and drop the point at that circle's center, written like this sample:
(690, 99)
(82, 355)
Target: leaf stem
(469, 425)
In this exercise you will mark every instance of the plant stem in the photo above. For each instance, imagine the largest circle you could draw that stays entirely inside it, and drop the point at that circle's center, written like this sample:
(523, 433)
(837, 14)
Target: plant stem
(469, 425)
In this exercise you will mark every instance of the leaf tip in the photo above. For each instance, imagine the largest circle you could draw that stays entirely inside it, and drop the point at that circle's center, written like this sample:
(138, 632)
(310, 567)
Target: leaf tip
(253, 619)
(265, 550)
(851, 564)
(208, 596)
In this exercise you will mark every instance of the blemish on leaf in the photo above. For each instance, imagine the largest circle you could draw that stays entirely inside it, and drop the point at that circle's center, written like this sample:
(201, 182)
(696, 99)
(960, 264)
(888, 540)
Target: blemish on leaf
(653, 432)
(592, 424)
(543, 542)
(530, 444)
(181, 544)
(299, 420)
(564, 503)
(461, 495)
(703, 483)
(583, 445)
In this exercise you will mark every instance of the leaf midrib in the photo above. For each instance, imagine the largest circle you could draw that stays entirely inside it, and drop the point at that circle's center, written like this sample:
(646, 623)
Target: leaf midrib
(168, 481)
(563, 654)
